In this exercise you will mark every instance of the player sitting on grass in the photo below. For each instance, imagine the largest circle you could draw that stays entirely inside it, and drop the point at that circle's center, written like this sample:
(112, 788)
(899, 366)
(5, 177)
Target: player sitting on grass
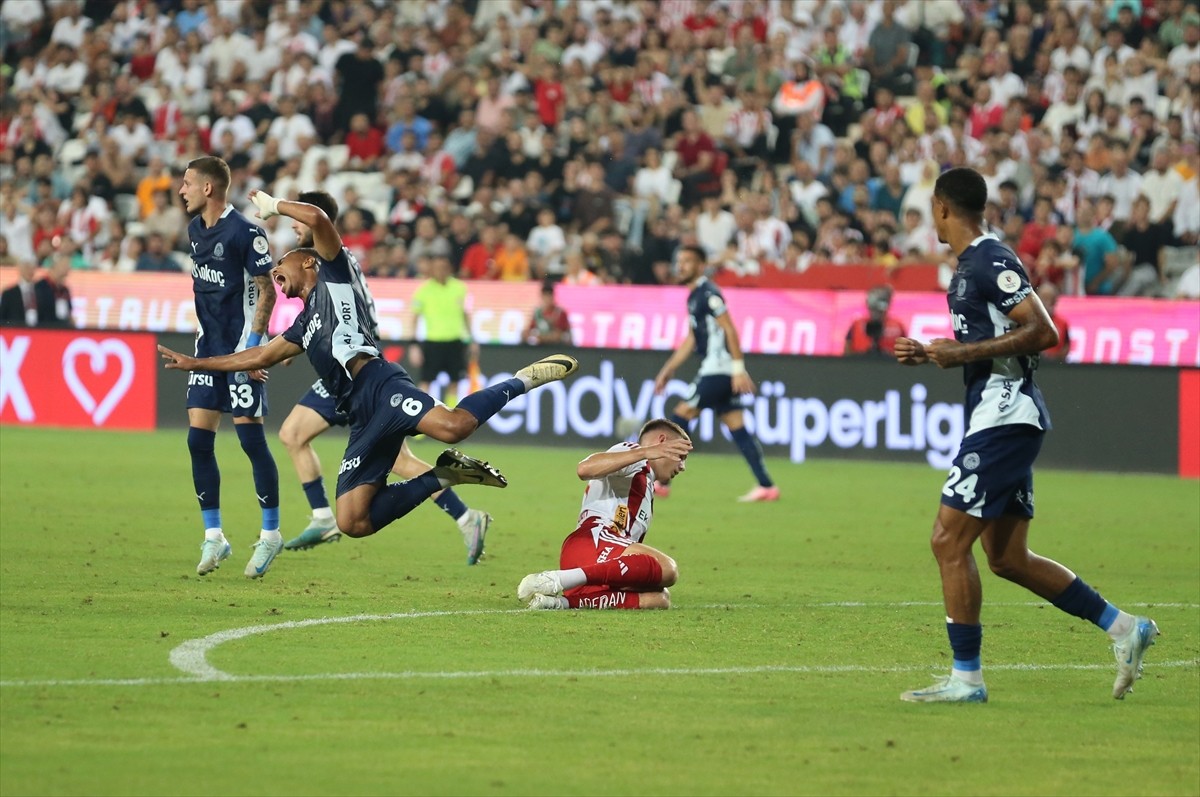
(604, 563)
(384, 404)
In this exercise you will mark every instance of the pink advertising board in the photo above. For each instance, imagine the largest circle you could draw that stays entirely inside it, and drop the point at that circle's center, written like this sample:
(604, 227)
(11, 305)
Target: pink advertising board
(796, 322)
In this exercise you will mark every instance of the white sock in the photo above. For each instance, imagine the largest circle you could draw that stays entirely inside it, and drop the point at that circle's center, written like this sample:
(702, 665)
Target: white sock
(322, 513)
(464, 519)
(572, 578)
(214, 534)
(972, 677)
(527, 381)
(1121, 626)
(270, 535)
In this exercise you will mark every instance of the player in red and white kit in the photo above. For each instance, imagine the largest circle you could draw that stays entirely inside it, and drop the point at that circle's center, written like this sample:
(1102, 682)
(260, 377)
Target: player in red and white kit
(604, 564)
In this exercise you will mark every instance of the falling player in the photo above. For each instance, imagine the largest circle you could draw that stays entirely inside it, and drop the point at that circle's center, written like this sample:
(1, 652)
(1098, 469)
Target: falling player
(234, 297)
(721, 381)
(316, 411)
(383, 403)
(1000, 326)
(604, 563)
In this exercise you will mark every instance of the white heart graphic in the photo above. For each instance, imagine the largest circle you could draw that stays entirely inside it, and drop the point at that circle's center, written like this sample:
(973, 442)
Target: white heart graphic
(99, 353)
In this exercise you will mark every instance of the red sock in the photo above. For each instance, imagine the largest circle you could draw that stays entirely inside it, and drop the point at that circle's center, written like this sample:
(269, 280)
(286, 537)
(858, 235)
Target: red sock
(607, 599)
(639, 570)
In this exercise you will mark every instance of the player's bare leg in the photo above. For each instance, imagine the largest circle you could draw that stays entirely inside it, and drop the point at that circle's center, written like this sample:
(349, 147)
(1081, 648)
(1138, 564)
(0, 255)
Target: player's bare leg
(300, 428)
(472, 523)
(954, 535)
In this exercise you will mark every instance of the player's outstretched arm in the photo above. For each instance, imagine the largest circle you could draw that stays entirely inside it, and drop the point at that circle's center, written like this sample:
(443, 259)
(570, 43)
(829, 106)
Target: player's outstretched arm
(326, 239)
(252, 359)
(605, 463)
(1034, 333)
(676, 359)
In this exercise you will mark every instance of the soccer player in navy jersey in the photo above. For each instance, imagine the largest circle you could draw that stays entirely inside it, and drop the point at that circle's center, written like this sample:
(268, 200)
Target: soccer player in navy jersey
(1000, 326)
(231, 264)
(381, 400)
(722, 383)
(316, 411)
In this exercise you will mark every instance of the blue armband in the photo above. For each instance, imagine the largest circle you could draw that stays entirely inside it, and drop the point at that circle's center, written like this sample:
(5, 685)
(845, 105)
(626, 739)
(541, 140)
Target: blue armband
(254, 339)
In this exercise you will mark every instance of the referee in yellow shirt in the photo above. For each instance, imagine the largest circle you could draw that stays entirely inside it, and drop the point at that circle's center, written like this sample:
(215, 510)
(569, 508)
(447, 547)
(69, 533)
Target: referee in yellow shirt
(442, 301)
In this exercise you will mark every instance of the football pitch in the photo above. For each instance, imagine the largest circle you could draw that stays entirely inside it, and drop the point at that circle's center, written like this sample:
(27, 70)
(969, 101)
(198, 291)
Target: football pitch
(387, 666)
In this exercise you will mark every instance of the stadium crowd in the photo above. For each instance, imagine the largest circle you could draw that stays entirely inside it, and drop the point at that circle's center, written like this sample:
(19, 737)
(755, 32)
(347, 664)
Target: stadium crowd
(586, 140)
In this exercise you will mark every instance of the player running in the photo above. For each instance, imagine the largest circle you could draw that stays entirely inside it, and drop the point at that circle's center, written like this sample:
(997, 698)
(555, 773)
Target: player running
(722, 383)
(1000, 326)
(383, 403)
(234, 298)
(316, 411)
(604, 564)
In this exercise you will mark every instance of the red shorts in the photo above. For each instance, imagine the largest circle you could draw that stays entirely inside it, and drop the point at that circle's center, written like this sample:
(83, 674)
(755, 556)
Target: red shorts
(592, 543)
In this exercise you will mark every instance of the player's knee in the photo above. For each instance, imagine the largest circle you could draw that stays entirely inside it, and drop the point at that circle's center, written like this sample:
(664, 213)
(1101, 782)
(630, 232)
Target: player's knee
(354, 525)
(201, 442)
(1007, 567)
(943, 542)
(291, 436)
(670, 571)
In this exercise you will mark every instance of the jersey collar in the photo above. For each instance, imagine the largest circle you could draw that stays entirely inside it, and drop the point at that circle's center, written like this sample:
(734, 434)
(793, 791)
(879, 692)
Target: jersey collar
(983, 238)
(228, 209)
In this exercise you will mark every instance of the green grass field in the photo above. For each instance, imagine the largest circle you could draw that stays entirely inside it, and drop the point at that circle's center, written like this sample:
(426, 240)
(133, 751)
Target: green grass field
(795, 627)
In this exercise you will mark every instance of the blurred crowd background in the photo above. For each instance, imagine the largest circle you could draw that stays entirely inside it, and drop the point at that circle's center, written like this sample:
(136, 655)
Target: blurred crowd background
(586, 140)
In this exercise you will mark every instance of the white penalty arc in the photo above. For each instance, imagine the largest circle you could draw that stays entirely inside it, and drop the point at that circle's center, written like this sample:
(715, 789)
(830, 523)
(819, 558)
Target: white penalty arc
(191, 657)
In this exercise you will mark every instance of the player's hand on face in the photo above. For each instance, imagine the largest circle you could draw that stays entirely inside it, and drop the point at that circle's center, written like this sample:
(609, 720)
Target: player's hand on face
(910, 352)
(946, 353)
(742, 383)
(176, 361)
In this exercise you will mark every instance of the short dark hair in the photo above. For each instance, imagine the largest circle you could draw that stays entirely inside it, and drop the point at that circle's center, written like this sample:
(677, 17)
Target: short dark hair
(321, 199)
(963, 189)
(665, 424)
(696, 250)
(214, 169)
(307, 251)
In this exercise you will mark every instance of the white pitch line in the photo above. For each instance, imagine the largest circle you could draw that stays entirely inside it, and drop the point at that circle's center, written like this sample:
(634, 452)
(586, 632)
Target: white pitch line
(815, 669)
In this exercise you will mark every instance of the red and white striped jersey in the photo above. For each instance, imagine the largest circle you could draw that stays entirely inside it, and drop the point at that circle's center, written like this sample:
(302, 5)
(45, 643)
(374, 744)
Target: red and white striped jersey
(622, 502)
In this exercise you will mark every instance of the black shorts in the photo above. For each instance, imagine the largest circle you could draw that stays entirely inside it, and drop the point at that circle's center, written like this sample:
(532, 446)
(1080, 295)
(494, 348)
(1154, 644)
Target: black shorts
(993, 472)
(444, 357)
(234, 393)
(714, 392)
(319, 401)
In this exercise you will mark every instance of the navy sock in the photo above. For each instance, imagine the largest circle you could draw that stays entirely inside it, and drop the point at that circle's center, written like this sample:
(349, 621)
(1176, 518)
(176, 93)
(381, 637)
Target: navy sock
(1084, 602)
(397, 500)
(314, 491)
(266, 475)
(483, 404)
(752, 451)
(451, 504)
(206, 476)
(966, 642)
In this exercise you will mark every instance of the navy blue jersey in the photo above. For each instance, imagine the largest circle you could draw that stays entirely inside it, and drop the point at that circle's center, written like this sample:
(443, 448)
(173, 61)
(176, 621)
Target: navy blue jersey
(989, 283)
(358, 281)
(225, 259)
(334, 326)
(705, 305)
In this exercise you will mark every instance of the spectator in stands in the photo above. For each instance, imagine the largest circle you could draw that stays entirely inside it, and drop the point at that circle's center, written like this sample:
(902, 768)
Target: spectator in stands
(27, 303)
(548, 325)
(1104, 268)
(695, 165)
(358, 77)
(156, 256)
(1161, 184)
(512, 261)
(167, 220)
(875, 333)
(1145, 244)
(479, 259)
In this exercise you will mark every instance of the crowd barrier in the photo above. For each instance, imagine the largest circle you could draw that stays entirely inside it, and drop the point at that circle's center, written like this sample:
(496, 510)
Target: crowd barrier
(1108, 418)
(770, 321)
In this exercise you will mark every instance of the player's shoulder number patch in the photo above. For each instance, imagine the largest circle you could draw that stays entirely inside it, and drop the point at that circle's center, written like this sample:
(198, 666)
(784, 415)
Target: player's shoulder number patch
(1009, 281)
(260, 244)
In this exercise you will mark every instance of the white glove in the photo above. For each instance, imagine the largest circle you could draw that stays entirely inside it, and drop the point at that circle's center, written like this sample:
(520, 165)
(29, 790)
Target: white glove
(267, 205)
